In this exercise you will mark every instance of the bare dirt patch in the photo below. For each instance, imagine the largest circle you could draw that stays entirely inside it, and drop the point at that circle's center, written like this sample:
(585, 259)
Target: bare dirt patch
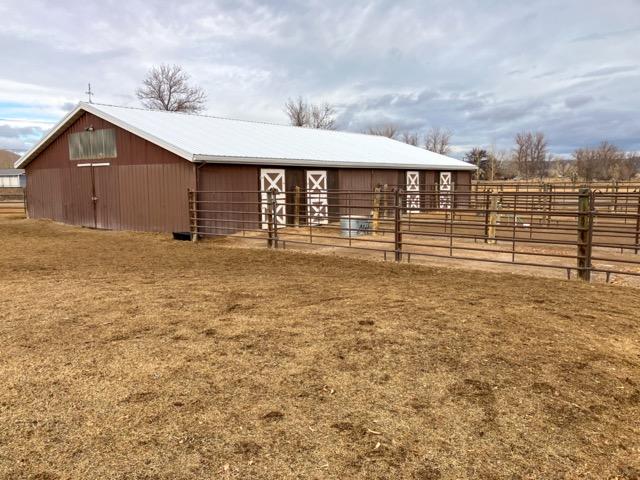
(132, 356)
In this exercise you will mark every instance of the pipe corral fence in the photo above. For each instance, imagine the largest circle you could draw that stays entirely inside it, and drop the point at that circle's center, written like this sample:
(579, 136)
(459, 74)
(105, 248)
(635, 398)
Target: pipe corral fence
(580, 230)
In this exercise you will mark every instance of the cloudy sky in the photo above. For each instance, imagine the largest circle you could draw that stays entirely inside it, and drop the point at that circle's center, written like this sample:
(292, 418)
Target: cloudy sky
(483, 69)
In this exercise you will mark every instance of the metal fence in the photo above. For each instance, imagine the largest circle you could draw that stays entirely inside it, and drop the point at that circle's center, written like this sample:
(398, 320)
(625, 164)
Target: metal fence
(584, 232)
(556, 185)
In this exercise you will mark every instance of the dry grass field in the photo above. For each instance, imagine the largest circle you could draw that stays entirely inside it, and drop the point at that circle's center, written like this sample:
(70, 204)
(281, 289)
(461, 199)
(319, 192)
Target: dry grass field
(132, 356)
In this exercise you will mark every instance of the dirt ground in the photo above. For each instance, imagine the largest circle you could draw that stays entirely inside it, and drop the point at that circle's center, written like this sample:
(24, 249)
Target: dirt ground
(536, 259)
(133, 356)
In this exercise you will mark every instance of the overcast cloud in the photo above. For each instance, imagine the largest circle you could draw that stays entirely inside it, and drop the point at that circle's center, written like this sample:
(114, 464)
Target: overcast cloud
(485, 70)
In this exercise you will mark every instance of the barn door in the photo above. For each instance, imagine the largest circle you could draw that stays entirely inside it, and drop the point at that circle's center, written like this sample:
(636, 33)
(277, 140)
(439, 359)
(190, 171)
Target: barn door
(105, 194)
(317, 202)
(273, 179)
(413, 185)
(96, 193)
(445, 190)
(80, 208)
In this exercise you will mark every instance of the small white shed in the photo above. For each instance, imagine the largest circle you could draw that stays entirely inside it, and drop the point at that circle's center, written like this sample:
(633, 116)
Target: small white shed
(12, 177)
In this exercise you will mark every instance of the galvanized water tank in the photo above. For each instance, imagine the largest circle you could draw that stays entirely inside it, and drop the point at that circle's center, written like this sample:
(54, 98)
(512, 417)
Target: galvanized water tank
(354, 225)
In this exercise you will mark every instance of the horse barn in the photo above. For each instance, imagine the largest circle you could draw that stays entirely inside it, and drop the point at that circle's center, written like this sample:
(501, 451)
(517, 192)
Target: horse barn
(126, 168)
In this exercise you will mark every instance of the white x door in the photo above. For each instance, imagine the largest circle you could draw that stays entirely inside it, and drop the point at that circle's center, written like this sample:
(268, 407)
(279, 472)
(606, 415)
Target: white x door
(413, 185)
(317, 202)
(273, 179)
(445, 190)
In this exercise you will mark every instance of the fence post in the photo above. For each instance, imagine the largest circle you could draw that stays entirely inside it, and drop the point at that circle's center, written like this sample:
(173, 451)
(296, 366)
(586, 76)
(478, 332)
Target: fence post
(274, 216)
(376, 210)
(585, 233)
(493, 220)
(270, 216)
(385, 201)
(297, 207)
(486, 214)
(193, 215)
(397, 229)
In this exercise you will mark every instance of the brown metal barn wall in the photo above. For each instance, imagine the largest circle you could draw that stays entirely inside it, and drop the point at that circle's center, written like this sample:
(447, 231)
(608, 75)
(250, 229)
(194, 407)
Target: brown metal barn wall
(428, 181)
(230, 216)
(144, 188)
(355, 179)
(462, 187)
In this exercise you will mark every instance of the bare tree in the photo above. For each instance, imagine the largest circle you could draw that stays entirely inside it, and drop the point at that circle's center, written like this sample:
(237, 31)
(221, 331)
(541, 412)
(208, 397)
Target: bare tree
(304, 114)
(323, 116)
(388, 130)
(437, 140)
(410, 138)
(498, 162)
(167, 88)
(538, 154)
(298, 112)
(562, 167)
(530, 154)
(606, 162)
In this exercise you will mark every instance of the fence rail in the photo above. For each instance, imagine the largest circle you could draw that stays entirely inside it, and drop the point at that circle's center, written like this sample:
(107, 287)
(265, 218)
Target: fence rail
(12, 202)
(586, 232)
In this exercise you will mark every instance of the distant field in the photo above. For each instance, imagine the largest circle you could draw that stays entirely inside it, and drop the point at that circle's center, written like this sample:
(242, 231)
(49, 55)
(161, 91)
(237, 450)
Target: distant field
(132, 356)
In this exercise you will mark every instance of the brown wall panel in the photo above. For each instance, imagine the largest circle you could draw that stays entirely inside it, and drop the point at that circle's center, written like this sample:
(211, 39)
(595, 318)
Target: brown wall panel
(462, 187)
(229, 216)
(355, 180)
(385, 177)
(144, 188)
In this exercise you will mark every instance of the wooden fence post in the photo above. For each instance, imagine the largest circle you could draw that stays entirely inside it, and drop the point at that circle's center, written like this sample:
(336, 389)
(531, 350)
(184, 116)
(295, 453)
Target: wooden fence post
(193, 215)
(296, 202)
(376, 210)
(585, 233)
(493, 220)
(385, 201)
(397, 229)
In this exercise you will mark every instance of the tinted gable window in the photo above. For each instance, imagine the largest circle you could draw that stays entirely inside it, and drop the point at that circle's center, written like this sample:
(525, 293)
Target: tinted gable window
(93, 145)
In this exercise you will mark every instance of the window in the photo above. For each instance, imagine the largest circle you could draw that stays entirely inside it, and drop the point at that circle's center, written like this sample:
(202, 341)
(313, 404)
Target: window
(93, 144)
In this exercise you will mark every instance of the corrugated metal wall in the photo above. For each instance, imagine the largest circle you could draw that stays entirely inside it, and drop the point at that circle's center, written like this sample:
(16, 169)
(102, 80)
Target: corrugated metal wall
(144, 188)
(228, 217)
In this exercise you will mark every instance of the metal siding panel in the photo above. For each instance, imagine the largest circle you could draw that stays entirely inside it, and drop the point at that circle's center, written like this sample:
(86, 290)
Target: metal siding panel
(384, 177)
(355, 179)
(229, 178)
(132, 197)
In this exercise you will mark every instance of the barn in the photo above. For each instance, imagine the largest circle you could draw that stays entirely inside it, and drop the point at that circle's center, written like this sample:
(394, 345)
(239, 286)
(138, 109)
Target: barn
(124, 168)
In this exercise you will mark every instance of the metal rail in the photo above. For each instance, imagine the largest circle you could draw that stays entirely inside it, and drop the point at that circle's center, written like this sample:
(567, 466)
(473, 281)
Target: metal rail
(578, 231)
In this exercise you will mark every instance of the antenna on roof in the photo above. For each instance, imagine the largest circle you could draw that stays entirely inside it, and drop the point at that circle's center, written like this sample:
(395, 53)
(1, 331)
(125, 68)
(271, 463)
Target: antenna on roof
(89, 92)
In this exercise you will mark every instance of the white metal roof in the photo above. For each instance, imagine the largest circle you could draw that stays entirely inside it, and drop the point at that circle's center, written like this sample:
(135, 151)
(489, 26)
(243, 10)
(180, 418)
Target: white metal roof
(201, 138)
